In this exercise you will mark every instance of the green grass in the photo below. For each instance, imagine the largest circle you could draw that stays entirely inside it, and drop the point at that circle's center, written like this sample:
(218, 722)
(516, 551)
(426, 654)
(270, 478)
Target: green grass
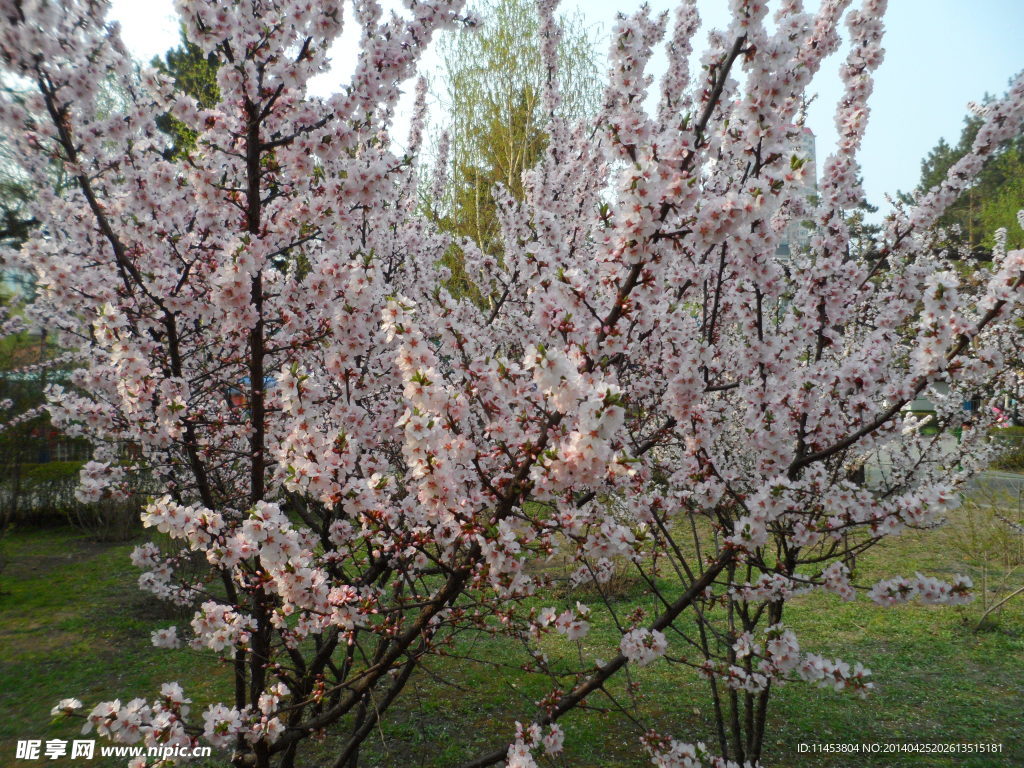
(72, 623)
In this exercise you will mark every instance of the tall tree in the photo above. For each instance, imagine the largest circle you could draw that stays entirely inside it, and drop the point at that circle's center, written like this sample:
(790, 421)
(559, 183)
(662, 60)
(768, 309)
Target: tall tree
(988, 204)
(16, 222)
(494, 77)
(194, 73)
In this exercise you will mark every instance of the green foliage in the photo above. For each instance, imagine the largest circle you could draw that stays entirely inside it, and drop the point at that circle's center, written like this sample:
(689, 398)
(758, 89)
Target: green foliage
(1011, 454)
(1011, 460)
(510, 142)
(51, 472)
(43, 494)
(32, 489)
(194, 74)
(494, 78)
(1000, 206)
(15, 222)
(36, 494)
(990, 203)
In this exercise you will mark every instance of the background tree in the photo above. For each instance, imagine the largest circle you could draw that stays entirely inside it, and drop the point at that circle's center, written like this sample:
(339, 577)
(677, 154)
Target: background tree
(194, 73)
(14, 223)
(992, 202)
(27, 355)
(493, 78)
(29, 358)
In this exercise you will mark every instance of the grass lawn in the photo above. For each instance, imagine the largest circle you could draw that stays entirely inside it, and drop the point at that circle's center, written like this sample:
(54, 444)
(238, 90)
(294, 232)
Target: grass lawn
(72, 623)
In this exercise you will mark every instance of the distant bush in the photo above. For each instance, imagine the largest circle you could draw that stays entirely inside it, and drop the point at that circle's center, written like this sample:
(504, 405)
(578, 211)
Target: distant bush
(107, 520)
(37, 494)
(1011, 458)
(1010, 461)
(42, 494)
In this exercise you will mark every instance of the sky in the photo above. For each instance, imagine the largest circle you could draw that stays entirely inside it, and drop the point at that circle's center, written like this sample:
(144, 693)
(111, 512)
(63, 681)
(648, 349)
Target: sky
(940, 55)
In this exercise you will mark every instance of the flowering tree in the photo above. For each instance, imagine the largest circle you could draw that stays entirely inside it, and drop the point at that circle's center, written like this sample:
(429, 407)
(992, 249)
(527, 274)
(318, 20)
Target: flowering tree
(370, 466)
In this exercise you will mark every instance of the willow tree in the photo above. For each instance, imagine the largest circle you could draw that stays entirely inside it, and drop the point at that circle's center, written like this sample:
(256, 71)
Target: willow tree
(493, 77)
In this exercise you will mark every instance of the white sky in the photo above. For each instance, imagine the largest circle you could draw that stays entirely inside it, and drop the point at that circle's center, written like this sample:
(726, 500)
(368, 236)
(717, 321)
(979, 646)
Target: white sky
(940, 55)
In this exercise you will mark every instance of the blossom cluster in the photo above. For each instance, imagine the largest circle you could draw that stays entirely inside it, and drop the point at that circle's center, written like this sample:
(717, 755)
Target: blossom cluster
(642, 646)
(530, 738)
(928, 590)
